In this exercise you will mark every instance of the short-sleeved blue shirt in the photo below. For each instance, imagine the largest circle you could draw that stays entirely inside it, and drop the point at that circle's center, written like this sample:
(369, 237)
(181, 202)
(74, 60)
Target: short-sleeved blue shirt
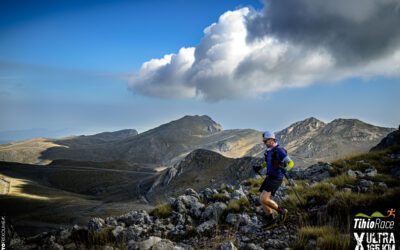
(275, 172)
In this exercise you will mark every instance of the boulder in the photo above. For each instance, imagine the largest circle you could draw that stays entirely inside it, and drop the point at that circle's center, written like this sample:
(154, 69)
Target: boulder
(214, 211)
(355, 173)
(192, 192)
(250, 246)
(366, 183)
(371, 172)
(316, 172)
(147, 244)
(238, 194)
(95, 224)
(135, 218)
(163, 244)
(206, 227)
(227, 245)
(382, 185)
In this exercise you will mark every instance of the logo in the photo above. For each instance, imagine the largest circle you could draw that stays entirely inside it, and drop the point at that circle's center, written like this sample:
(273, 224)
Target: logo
(3, 232)
(375, 231)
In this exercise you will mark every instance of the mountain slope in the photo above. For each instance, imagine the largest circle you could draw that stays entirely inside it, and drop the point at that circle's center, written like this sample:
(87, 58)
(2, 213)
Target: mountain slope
(165, 144)
(340, 138)
(310, 141)
(391, 139)
(200, 169)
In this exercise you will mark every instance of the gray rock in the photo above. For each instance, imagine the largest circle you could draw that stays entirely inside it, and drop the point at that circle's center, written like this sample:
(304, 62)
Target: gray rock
(131, 233)
(382, 185)
(164, 244)
(250, 246)
(347, 190)
(206, 227)
(196, 209)
(316, 172)
(95, 224)
(192, 192)
(64, 235)
(147, 244)
(178, 218)
(366, 183)
(111, 221)
(231, 218)
(250, 225)
(230, 187)
(188, 200)
(214, 211)
(227, 245)
(238, 194)
(117, 230)
(207, 194)
(135, 217)
(355, 173)
(371, 172)
(179, 206)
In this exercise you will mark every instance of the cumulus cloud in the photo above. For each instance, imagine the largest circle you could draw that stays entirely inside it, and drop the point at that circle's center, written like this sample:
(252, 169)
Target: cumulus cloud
(290, 43)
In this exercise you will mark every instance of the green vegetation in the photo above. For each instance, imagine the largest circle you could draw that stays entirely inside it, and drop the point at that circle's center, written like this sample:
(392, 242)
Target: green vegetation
(335, 207)
(220, 197)
(253, 182)
(321, 238)
(162, 210)
(87, 240)
(238, 206)
(380, 160)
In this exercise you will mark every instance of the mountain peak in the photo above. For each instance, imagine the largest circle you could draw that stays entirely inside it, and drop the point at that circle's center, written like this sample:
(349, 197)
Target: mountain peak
(299, 132)
(199, 124)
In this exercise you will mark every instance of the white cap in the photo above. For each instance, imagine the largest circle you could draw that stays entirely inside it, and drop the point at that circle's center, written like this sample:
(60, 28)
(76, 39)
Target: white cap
(268, 135)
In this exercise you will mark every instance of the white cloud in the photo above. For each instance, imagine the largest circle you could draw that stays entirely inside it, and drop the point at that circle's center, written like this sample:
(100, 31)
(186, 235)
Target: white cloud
(226, 64)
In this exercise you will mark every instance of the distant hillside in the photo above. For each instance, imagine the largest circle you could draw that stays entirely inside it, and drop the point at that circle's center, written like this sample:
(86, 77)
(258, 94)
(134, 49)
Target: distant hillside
(311, 140)
(202, 168)
(165, 144)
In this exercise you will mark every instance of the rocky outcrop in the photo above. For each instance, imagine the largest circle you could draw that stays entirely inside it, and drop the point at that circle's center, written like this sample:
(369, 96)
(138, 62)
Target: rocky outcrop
(202, 168)
(316, 172)
(391, 139)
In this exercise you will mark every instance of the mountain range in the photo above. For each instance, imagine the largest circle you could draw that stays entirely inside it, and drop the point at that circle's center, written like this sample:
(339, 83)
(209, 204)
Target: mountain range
(308, 141)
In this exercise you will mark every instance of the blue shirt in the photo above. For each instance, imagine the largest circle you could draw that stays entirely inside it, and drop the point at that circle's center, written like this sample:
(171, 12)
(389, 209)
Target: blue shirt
(273, 169)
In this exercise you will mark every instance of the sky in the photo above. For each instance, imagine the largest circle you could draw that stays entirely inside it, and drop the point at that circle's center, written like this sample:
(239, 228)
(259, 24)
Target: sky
(82, 67)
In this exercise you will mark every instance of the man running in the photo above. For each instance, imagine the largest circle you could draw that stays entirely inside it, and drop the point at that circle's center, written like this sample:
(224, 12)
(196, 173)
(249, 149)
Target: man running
(277, 163)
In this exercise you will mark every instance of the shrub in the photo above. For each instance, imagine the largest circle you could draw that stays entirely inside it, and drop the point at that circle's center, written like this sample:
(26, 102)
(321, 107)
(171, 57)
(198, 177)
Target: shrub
(253, 182)
(238, 206)
(220, 197)
(162, 210)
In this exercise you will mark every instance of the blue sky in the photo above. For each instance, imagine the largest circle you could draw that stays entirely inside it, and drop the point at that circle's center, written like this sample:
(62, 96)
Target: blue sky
(67, 66)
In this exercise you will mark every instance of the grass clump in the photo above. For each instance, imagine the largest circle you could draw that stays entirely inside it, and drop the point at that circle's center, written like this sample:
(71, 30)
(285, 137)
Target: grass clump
(324, 237)
(238, 206)
(319, 194)
(87, 240)
(342, 180)
(220, 197)
(253, 182)
(162, 210)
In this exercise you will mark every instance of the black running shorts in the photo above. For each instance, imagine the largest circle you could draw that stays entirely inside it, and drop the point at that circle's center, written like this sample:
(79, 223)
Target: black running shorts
(270, 185)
